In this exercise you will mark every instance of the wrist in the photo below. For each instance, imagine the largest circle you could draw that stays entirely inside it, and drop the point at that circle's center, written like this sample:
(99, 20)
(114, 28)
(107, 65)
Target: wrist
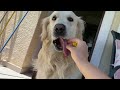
(81, 61)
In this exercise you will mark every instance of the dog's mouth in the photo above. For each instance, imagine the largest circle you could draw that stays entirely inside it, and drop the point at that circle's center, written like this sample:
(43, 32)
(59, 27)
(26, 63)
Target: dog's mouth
(60, 45)
(57, 43)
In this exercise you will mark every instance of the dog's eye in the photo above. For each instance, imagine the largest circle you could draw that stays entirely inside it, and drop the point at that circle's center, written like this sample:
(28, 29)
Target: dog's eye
(54, 18)
(70, 19)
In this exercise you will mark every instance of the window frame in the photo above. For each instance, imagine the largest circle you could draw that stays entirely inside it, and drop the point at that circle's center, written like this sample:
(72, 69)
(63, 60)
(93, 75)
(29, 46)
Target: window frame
(102, 37)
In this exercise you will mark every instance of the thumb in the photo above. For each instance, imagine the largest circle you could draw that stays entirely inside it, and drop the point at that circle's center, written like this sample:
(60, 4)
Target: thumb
(69, 47)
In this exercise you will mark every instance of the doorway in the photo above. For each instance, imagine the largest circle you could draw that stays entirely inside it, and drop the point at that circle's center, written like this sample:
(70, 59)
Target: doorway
(93, 20)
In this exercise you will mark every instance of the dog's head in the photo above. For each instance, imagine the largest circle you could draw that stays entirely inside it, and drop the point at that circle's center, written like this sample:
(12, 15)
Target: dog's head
(63, 24)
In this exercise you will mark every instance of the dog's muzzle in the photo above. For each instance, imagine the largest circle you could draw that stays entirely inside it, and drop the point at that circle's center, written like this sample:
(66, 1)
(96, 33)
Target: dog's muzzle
(59, 30)
(60, 45)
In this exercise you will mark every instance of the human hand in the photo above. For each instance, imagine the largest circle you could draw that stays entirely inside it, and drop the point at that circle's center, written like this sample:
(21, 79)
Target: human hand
(79, 52)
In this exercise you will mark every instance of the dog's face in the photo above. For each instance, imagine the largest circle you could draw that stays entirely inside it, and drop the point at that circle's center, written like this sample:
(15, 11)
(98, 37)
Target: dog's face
(63, 24)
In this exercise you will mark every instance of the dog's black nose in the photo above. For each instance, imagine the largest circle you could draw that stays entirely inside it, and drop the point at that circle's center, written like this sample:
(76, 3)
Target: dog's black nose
(60, 30)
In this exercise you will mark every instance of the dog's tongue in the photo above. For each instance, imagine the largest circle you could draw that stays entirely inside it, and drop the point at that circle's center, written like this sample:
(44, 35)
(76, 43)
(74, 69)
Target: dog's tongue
(63, 43)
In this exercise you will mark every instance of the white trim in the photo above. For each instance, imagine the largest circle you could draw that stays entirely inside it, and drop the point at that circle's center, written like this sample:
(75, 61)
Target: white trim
(13, 66)
(102, 37)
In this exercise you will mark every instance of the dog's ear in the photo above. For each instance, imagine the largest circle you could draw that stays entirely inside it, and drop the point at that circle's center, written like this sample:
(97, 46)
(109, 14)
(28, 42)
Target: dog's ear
(80, 28)
(44, 26)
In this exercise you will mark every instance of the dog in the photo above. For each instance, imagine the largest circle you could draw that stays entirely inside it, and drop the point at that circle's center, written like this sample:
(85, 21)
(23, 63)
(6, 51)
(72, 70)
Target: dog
(51, 64)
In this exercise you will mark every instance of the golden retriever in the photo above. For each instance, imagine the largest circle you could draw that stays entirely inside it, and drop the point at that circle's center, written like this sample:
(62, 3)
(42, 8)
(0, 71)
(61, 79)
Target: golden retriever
(51, 64)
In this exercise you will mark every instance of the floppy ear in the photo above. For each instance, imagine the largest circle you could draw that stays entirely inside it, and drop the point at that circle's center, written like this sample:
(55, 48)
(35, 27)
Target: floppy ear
(44, 33)
(80, 28)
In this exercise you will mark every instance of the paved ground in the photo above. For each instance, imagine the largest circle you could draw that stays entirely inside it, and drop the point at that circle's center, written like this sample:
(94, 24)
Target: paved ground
(6, 73)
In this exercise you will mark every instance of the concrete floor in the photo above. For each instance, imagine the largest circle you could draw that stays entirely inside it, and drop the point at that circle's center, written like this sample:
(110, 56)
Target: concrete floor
(6, 73)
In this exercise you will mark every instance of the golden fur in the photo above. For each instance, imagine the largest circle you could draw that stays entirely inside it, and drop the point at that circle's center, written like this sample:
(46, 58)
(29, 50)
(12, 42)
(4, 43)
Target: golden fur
(51, 64)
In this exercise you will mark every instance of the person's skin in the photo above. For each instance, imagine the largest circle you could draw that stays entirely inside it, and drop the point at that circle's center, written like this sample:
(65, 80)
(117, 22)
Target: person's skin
(80, 56)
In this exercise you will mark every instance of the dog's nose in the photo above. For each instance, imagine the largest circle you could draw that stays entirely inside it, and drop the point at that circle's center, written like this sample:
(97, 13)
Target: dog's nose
(60, 29)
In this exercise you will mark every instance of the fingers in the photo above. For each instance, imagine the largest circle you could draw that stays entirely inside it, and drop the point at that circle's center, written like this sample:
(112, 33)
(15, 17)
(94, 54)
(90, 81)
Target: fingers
(73, 40)
(69, 47)
(70, 43)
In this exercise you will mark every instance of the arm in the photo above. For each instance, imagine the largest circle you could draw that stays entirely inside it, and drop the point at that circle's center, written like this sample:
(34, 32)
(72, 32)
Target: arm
(90, 72)
(80, 56)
